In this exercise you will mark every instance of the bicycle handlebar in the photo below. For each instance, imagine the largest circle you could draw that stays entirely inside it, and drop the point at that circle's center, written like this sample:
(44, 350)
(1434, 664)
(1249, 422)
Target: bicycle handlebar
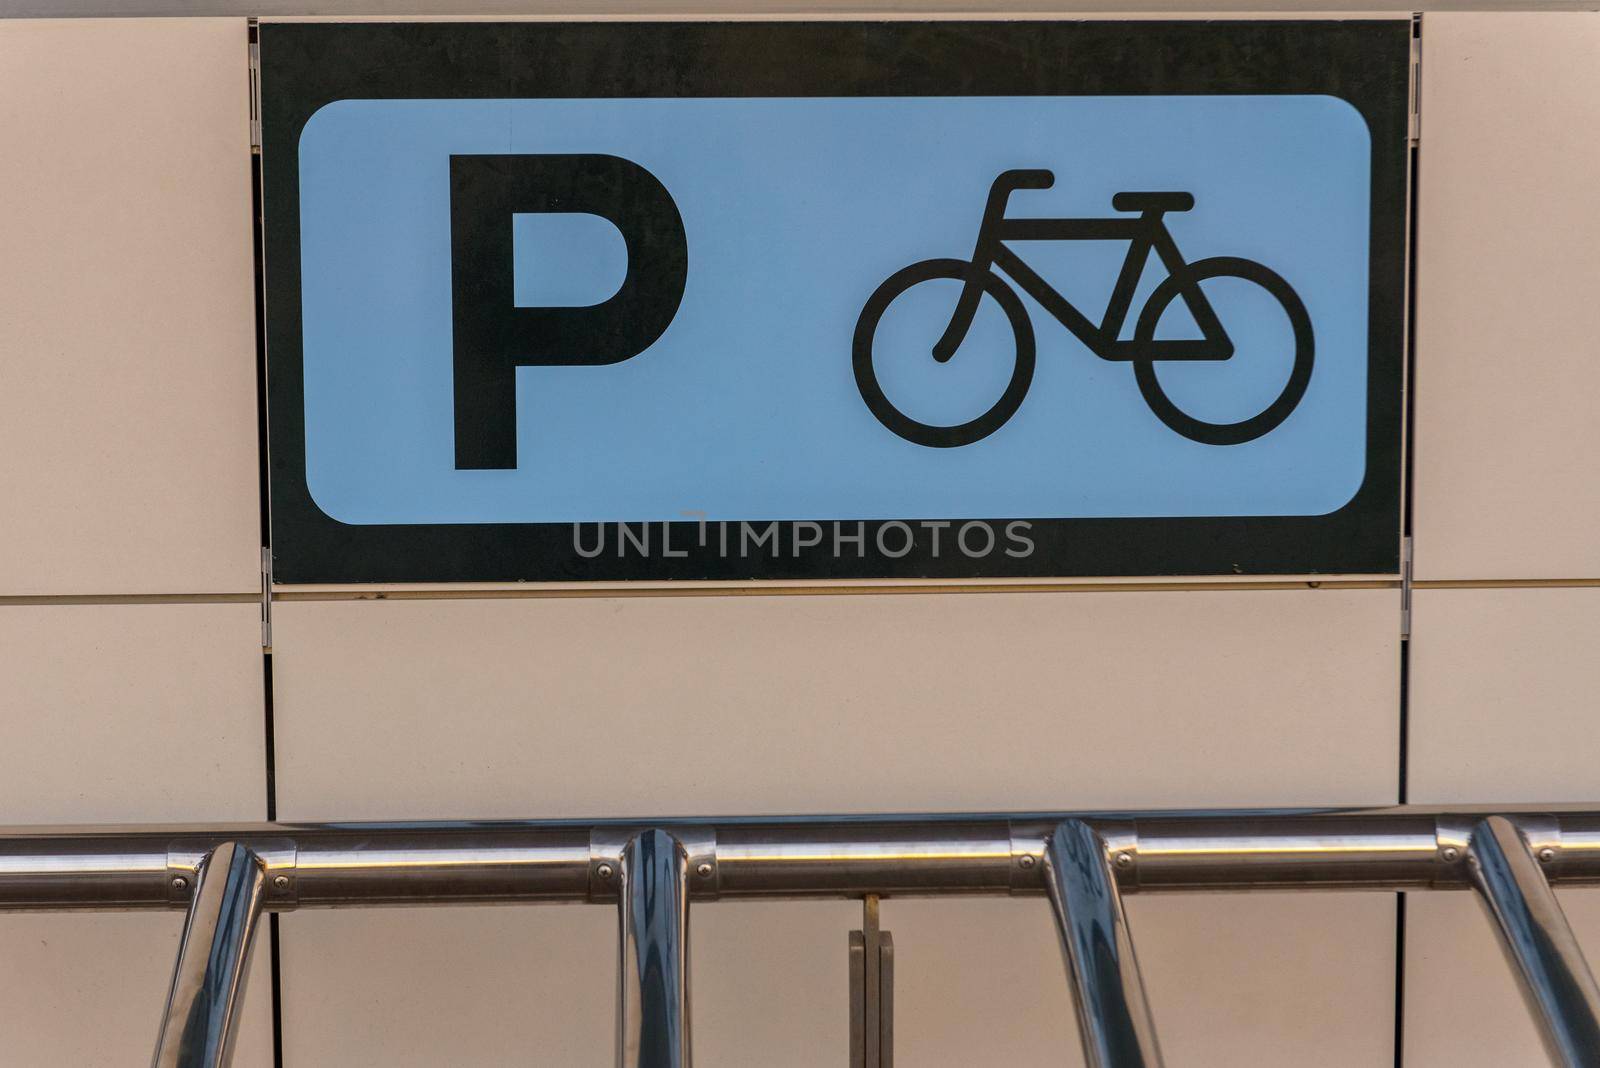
(1026, 179)
(1006, 183)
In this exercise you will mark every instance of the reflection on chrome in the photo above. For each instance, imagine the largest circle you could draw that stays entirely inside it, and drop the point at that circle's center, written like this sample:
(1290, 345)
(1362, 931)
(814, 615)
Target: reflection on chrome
(650, 870)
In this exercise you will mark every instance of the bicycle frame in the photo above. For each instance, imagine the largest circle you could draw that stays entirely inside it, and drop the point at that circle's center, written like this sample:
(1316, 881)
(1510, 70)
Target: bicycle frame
(1146, 233)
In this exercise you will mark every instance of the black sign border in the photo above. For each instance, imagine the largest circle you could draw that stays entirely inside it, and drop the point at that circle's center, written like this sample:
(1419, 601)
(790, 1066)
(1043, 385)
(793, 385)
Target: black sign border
(307, 65)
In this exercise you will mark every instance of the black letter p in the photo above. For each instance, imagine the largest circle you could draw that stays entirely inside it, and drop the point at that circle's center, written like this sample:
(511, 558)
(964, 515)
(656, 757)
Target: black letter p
(493, 337)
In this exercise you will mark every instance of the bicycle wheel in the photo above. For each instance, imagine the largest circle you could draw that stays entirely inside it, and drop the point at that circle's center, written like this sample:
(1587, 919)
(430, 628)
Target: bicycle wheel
(1269, 418)
(931, 434)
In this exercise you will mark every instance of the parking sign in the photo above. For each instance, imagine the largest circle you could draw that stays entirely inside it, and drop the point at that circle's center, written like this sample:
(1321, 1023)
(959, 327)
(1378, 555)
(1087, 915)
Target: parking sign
(834, 300)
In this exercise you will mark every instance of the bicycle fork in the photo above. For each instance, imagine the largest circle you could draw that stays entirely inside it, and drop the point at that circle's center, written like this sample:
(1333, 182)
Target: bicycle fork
(966, 311)
(994, 211)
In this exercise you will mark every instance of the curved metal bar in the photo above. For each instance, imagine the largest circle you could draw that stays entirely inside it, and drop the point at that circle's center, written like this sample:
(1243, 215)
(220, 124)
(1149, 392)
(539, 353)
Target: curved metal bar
(1554, 977)
(653, 976)
(1114, 1021)
(213, 961)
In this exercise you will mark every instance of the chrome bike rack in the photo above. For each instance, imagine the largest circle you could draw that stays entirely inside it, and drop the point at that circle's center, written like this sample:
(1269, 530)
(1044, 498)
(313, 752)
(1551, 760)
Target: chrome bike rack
(226, 876)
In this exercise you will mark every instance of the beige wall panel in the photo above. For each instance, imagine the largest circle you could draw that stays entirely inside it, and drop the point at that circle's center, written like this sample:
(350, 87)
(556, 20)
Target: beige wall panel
(629, 705)
(86, 990)
(1502, 709)
(131, 713)
(127, 331)
(979, 982)
(1503, 695)
(421, 988)
(1508, 267)
(1259, 979)
(119, 714)
(488, 987)
(535, 706)
(1462, 1005)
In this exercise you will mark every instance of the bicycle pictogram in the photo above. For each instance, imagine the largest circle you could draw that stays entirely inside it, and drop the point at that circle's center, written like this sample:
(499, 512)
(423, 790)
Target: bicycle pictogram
(1146, 232)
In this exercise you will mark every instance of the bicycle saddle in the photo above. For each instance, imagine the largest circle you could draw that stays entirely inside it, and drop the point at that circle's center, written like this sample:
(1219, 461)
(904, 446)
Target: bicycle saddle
(1153, 201)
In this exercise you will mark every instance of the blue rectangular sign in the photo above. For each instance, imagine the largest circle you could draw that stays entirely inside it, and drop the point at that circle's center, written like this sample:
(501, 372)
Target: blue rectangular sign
(1084, 315)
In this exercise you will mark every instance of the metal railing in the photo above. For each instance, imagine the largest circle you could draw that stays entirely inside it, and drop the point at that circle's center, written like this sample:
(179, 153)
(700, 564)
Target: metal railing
(652, 871)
